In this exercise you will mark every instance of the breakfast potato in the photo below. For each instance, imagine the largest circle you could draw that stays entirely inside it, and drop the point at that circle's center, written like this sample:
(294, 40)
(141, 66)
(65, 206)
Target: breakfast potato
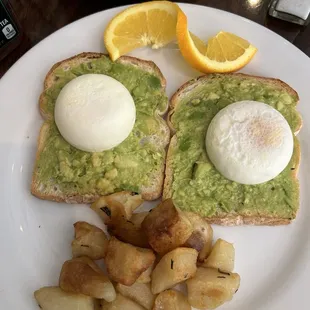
(129, 231)
(174, 267)
(89, 241)
(97, 304)
(138, 292)
(81, 275)
(117, 204)
(138, 218)
(145, 276)
(121, 303)
(171, 299)
(125, 262)
(166, 227)
(201, 238)
(54, 298)
(222, 256)
(210, 288)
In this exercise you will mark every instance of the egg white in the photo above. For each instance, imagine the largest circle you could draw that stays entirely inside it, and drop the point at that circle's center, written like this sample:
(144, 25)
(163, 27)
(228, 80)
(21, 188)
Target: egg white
(95, 112)
(249, 142)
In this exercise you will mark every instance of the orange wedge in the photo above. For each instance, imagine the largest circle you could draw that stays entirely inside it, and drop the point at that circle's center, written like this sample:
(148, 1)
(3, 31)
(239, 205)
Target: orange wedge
(150, 23)
(224, 52)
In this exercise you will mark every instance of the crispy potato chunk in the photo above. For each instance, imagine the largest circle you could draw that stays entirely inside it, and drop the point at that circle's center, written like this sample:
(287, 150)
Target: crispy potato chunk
(54, 298)
(166, 227)
(97, 304)
(89, 241)
(146, 275)
(171, 299)
(81, 275)
(174, 267)
(138, 292)
(201, 238)
(121, 303)
(117, 204)
(125, 262)
(222, 256)
(138, 218)
(210, 288)
(129, 231)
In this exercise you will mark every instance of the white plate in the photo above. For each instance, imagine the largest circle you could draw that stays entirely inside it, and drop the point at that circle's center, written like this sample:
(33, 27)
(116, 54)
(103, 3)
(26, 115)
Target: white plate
(35, 235)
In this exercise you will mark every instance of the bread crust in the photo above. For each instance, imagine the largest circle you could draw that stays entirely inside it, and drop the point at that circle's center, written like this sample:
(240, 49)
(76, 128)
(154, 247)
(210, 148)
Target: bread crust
(53, 192)
(238, 220)
(231, 219)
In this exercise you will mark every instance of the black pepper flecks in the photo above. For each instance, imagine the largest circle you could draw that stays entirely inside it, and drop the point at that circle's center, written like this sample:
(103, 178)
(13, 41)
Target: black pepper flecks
(171, 264)
(106, 210)
(223, 272)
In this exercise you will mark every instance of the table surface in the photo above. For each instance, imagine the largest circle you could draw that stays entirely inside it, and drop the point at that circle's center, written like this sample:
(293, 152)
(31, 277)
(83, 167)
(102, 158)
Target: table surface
(39, 18)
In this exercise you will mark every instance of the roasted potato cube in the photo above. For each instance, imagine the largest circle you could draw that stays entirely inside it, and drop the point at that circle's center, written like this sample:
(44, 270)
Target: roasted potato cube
(210, 288)
(138, 218)
(89, 241)
(117, 204)
(121, 303)
(125, 262)
(146, 275)
(166, 227)
(138, 292)
(108, 211)
(222, 256)
(201, 238)
(130, 200)
(129, 231)
(174, 267)
(97, 304)
(54, 298)
(171, 299)
(81, 275)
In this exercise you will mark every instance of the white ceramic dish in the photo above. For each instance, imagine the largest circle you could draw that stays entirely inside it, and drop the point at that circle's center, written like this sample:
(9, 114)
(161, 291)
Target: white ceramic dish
(35, 235)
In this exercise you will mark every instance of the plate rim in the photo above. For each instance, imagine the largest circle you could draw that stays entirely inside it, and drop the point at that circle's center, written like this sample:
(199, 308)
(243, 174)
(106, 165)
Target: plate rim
(37, 46)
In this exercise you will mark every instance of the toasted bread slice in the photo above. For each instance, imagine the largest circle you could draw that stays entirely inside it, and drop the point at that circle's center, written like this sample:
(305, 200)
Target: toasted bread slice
(219, 200)
(49, 182)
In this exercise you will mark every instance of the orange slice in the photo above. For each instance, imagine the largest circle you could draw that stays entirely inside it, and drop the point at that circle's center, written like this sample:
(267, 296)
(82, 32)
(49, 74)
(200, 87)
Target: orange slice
(150, 23)
(224, 52)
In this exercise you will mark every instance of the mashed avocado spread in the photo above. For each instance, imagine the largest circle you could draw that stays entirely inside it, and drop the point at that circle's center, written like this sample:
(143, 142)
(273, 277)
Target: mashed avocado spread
(197, 186)
(126, 167)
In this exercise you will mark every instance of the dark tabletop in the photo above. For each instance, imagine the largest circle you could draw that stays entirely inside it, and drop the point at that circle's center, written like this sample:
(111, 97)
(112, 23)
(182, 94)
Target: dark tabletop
(39, 18)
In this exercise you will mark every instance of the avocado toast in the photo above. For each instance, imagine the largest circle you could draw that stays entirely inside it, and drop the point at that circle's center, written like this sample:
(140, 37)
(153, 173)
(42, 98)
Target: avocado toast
(64, 173)
(191, 179)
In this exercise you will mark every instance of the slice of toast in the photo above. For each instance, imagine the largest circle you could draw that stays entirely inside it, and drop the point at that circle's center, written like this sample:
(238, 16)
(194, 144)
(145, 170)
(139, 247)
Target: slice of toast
(65, 174)
(208, 193)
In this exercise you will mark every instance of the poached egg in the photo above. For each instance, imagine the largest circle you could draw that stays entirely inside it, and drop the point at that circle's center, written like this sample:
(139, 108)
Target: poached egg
(95, 112)
(249, 142)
